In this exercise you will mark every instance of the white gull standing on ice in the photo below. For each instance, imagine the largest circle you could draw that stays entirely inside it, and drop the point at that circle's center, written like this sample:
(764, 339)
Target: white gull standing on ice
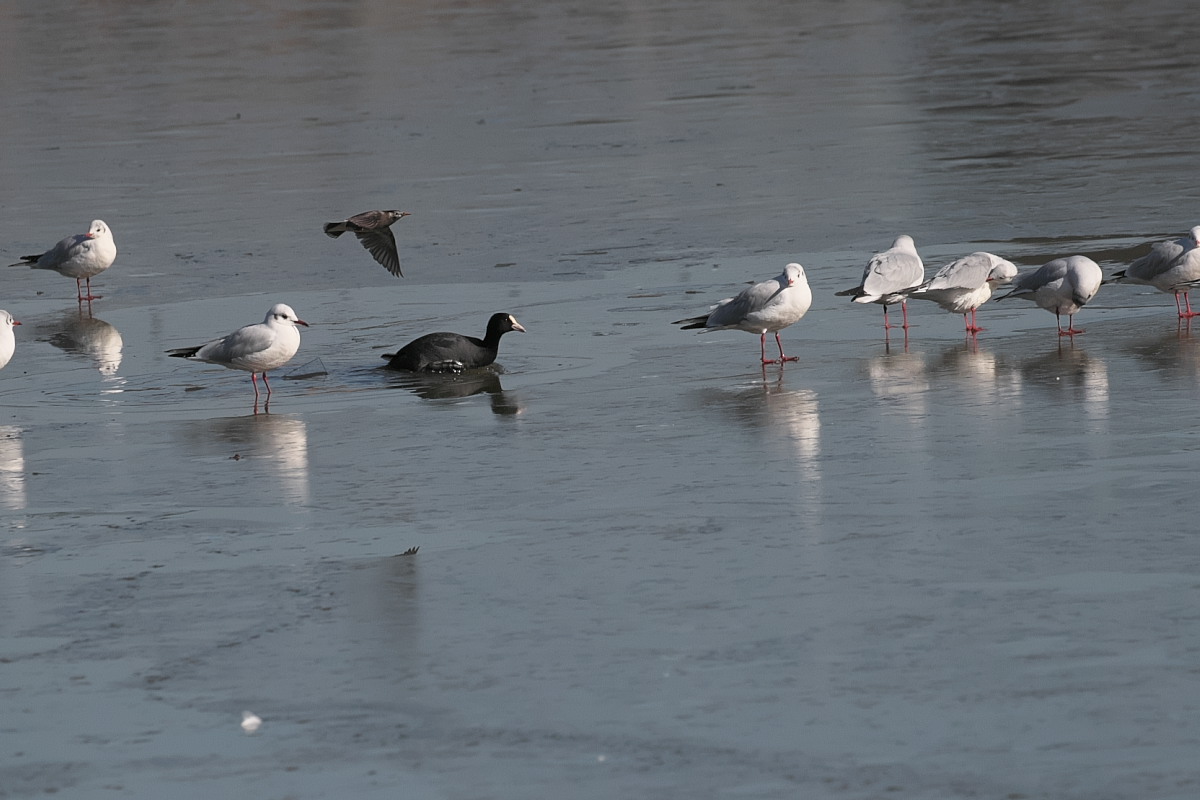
(255, 349)
(964, 285)
(1172, 266)
(8, 342)
(1061, 286)
(82, 257)
(771, 305)
(887, 275)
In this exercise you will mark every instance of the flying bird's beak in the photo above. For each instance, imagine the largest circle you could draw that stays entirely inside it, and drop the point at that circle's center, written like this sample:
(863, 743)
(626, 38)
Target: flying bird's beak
(302, 322)
(16, 322)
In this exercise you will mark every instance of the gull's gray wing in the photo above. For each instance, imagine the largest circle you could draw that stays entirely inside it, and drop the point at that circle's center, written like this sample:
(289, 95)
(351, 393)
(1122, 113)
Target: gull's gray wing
(734, 310)
(891, 271)
(968, 272)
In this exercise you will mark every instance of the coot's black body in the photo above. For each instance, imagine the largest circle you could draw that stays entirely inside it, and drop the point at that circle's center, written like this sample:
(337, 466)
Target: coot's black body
(453, 352)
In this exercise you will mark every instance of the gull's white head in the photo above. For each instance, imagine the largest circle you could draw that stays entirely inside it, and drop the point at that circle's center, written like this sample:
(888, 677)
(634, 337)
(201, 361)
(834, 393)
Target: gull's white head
(281, 313)
(793, 272)
(1002, 271)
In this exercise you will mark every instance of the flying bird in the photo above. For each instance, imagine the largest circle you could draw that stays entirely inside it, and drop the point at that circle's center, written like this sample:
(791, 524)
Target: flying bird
(81, 257)
(887, 275)
(255, 349)
(769, 306)
(374, 231)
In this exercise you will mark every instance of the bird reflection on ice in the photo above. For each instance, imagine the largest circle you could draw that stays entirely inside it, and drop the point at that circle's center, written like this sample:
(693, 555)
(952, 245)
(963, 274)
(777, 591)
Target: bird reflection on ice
(449, 386)
(277, 440)
(899, 378)
(80, 332)
(797, 412)
(1069, 368)
(789, 421)
(13, 494)
(1176, 352)
(977, 373)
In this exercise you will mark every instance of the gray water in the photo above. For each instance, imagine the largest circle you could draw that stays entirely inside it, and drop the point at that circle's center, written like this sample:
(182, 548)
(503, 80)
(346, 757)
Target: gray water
(647, 567)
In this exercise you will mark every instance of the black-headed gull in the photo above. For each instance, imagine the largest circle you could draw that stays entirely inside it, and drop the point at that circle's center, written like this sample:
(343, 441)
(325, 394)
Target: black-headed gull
(887, 275)
(253, 348)
(771, 305)
(1171, 266)
(1062, 286)
(81, 257)
(453, 352)
(374, 231)
(964, 285)
(8, 342)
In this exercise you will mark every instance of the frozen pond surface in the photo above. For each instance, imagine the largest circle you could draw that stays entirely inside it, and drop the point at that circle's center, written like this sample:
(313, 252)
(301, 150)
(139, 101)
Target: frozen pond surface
(647, 567)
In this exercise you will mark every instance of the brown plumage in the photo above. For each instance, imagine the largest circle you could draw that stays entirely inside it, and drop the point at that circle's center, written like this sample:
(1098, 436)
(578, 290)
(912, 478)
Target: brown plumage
(373, 229)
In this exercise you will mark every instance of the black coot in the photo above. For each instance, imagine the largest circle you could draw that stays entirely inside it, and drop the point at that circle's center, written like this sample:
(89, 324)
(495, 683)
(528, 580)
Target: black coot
(453, 352)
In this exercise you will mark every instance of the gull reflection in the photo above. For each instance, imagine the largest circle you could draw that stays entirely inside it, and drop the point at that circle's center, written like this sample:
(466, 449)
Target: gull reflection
(797, 413)
(279, 441)
(1069, 368)
(12, 468)
(1176, 352)
(80, 332)
(899, 379)
(976, 371)
(450, 385)
(789, 420)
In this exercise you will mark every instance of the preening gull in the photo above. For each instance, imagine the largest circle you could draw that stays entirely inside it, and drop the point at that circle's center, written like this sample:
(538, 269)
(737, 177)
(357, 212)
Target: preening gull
(1062, 286)
(964, 285)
